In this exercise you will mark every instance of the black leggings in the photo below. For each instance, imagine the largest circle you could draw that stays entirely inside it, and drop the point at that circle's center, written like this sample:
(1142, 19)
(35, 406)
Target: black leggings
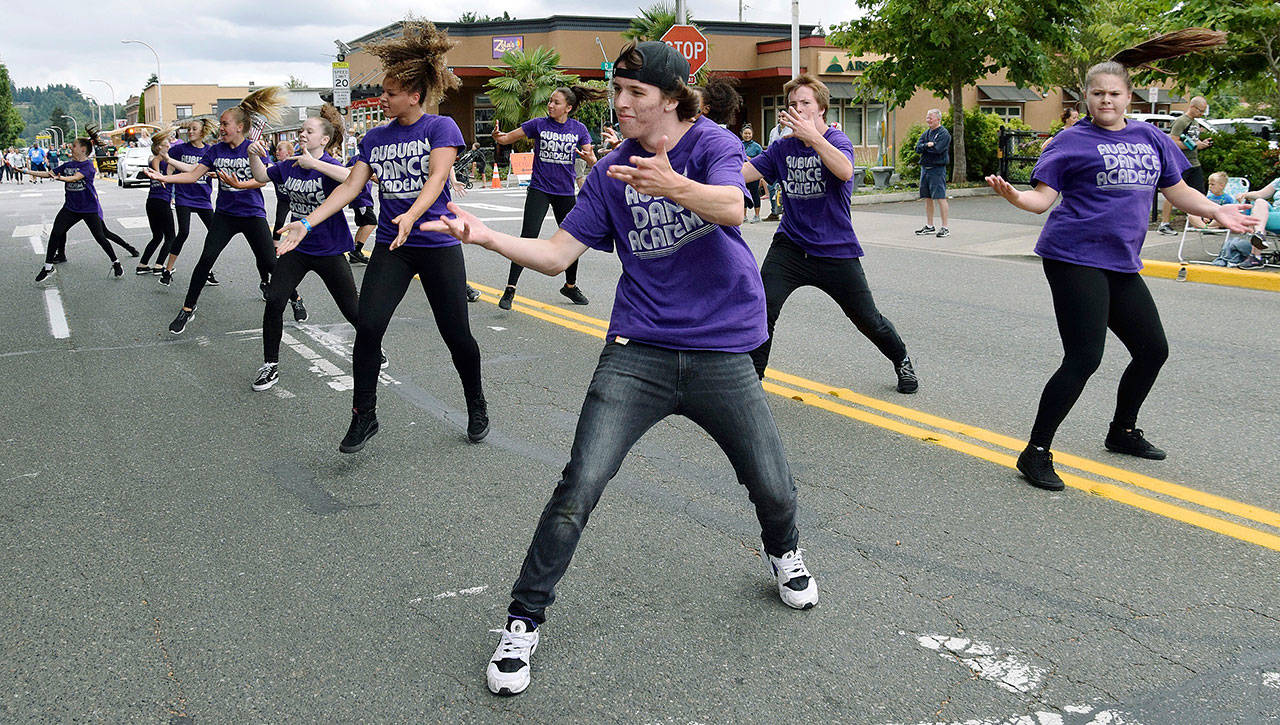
(787, 268)
(282, 216)
(754, 188)
(535, 210)
(334, 270)
(161, 221)
(386, 279)
(223, 228)
(67, 219)
(1087, 301)
(183, 214)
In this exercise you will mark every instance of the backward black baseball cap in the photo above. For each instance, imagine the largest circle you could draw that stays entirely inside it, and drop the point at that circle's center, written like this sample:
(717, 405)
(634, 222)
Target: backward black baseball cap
(661, 66)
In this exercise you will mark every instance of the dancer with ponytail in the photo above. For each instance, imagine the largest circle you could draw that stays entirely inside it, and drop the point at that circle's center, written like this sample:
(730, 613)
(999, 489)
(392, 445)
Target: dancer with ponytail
(1107, 171)
(81, 205)
(556, 137)
(412, 158)
(188, 199)
(159, 213)
(238, 211)
(306, 180)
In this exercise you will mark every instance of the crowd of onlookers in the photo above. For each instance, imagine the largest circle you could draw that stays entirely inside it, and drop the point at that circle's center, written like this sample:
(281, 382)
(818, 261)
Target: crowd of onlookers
(17, 159)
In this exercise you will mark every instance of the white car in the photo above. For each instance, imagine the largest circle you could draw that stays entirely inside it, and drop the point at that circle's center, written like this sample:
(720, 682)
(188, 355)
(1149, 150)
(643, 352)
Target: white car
(1260, 128)
(1162, 121)
(130, 163)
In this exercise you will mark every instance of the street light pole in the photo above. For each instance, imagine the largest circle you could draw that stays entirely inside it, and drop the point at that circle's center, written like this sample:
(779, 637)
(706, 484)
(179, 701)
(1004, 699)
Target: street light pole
(75, 127)
(113, 98)
(795, 38)
(607, 82)
(97, 106)
(159, 86)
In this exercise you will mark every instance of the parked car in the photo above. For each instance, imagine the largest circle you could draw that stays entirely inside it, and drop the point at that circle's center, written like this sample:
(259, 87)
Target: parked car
(1262, 129)
(130, 163)
(1162, 121)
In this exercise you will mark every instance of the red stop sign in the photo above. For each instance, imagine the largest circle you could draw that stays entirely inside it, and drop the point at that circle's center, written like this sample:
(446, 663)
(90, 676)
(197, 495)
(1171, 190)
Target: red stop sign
(689, 42)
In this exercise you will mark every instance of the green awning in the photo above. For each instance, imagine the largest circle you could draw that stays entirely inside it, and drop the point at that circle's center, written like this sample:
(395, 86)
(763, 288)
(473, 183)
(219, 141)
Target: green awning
(1009, 94)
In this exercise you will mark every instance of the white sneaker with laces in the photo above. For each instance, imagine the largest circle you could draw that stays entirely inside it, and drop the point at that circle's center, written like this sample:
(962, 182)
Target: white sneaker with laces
(508, 671)
(796, 586)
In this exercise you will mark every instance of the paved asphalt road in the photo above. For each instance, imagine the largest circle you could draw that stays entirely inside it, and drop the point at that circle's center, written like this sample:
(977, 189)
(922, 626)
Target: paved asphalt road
(178, 548)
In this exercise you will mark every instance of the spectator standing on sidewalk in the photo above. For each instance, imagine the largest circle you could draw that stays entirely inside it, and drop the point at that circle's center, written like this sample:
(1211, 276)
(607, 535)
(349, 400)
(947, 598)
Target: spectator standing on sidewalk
(934, 148)
(775, 190)
(752, 150)
(1186, 136)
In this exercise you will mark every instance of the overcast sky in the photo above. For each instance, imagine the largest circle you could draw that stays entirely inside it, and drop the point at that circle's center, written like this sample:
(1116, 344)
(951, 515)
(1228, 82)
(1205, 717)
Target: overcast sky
(232, 42)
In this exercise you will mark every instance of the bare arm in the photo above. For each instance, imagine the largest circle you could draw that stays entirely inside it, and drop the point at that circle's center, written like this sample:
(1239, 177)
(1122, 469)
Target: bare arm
(293, 233)
(1264, 193)
(654, 176)
(749, 172)
(181, 166)
(548, 256)
(258, 168)
(1036, 201)
(510, 137)
(1228, 215)
(196, 173)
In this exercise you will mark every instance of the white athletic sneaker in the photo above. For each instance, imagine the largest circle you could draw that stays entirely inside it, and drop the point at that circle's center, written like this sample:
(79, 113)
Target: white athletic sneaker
(796, 586)
(508, 671)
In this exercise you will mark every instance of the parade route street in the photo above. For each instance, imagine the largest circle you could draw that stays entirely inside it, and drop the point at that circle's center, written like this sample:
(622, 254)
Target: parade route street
(175, 547)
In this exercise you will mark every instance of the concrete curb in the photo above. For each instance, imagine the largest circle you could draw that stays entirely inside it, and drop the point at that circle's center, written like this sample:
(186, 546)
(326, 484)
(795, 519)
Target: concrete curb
(865, 199)
(1206, 274)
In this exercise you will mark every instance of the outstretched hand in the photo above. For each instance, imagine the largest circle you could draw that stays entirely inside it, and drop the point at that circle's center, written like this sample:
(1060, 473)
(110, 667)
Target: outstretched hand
(257, 148)
(304, 159)
(610, 137)
(1003, 188)
(650, 175)
(231, 181)
(588, 155)
(463, 226)
(1232, 217)
(291, 236)
(405, 224)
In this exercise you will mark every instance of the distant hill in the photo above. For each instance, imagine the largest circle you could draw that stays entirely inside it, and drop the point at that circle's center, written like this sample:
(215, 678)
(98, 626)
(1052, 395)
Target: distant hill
(37, 104)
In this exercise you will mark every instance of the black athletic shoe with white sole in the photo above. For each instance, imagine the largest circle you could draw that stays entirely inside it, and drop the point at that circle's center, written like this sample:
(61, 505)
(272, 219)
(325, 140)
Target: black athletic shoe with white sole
(212, 281)
(166, 278)
(268, 375)
(262, 287)
(926, 230)
(1036, 465)
(44, 273)
(299, 310)
(796, 586)
(508, 670)
(907, 380)
(363, 427)
(117, 269)
(179, 324)
(473, 294)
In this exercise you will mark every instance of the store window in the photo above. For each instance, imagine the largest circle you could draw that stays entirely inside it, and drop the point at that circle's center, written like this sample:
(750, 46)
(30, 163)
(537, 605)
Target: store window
(183, 111)
(874, 127)
(1005, 112)
(483, 121)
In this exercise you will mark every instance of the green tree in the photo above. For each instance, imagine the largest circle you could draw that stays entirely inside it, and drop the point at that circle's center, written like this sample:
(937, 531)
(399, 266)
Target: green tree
(945, 45)
(11, 123)
(524, 85)
(472, 17)
(295, 82)
(56, 119)
(653, 22)
(1251, 57)
(1103, 28)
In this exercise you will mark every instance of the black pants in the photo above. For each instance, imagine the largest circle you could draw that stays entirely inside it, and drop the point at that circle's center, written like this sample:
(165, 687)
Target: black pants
(754, 188)
(183, 214)
(223, 228)
(282, 216)
(787, 267)
(67, 219)
(1087, 301)
(535, 209)
(160, 219)
(334, 271)
(386, 279)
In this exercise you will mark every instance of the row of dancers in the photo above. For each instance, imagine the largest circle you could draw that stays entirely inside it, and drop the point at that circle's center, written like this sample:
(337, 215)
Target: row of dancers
(693, 315)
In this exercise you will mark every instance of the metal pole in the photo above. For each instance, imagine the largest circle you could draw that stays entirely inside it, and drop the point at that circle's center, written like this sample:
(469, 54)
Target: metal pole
(75, 127)
(606, 80)
(682, 15)
(113, 98)
(97, 106)
(159, 87)
(795, 38)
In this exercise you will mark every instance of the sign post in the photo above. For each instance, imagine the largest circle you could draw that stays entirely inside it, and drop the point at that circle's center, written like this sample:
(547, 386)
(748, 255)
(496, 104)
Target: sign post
(341, 84)
(689, 42)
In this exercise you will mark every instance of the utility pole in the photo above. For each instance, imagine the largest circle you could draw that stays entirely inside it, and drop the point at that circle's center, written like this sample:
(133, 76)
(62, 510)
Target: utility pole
(795, 38)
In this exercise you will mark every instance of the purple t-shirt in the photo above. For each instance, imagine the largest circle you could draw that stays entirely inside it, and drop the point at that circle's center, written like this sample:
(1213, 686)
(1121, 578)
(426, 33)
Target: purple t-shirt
(197, 195)
(818, 218)
(1108, 181)
(305, 190)
(686, 284)
(399, 156)
(554, 151)
(235, 162)
(82, 197)
(160, 190)
(365, 198)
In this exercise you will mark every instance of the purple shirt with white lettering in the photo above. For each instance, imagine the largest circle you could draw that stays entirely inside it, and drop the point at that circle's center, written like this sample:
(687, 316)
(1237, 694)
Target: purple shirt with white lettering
(399, 155)
(1108, 181)
(235, 162)
(160, 190)
(200, 194)
(304, 190)
(816, 200)
(686, 284)
(555, 148)
(82, 197)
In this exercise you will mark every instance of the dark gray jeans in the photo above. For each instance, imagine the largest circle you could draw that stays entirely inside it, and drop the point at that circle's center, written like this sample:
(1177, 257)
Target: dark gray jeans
(633, 388)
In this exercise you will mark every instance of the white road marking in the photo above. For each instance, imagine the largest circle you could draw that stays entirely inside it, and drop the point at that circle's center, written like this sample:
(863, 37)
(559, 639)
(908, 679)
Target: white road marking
(37, 245)
(282, 393)
(31, 230)
(460, 592)
(133, 222)
(1271, 679)
(1007, 671)
(57, 316)
(499, 329)
(27, 196)
(500, 218)
(25, 475)
(486, 207)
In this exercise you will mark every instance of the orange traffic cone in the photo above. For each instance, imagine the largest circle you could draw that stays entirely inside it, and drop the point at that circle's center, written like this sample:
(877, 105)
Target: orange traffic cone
(497, 182)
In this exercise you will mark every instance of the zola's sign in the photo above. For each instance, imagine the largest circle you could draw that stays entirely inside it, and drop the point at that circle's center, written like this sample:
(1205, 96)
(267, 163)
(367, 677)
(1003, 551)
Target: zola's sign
(503, 43)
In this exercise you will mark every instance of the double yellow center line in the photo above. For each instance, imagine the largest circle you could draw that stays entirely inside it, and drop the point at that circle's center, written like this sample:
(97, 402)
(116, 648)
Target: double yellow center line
(1109, 482)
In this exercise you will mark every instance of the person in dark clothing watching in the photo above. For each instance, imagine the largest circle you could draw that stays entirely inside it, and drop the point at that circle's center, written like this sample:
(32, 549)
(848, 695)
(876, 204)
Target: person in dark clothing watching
(934, 148)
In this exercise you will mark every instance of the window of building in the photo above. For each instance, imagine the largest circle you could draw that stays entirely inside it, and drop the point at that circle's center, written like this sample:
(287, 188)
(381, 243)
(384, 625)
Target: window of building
(769, 116)
(1005, 112)
(874, 127)
(184, 111)
(483, 121)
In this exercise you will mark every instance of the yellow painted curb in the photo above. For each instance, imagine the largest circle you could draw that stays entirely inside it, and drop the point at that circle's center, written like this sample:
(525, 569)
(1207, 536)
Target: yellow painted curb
(1208, 274)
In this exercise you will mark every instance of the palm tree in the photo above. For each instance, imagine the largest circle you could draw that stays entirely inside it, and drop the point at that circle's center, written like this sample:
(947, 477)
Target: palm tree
(653, 22)
(525, 84)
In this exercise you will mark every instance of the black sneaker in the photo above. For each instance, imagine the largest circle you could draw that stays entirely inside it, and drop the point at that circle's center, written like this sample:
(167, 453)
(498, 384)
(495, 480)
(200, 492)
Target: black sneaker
(907, 380)
(262, 287)
(508, 295)
(357, 257)
(926, 230)
(268, 375)
(133, 251)
(117, 269)
(574, 294)
(943, 232)
(299, 310)
(1133, 443)
(1036, 465)
(383, 364)
(45, 273)
(166, 277)
(363, 427)
(477, 419)
(141, 269)
(60, 259)
(212, 281)
(156, 270)
(473, 294)
(179, 323)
